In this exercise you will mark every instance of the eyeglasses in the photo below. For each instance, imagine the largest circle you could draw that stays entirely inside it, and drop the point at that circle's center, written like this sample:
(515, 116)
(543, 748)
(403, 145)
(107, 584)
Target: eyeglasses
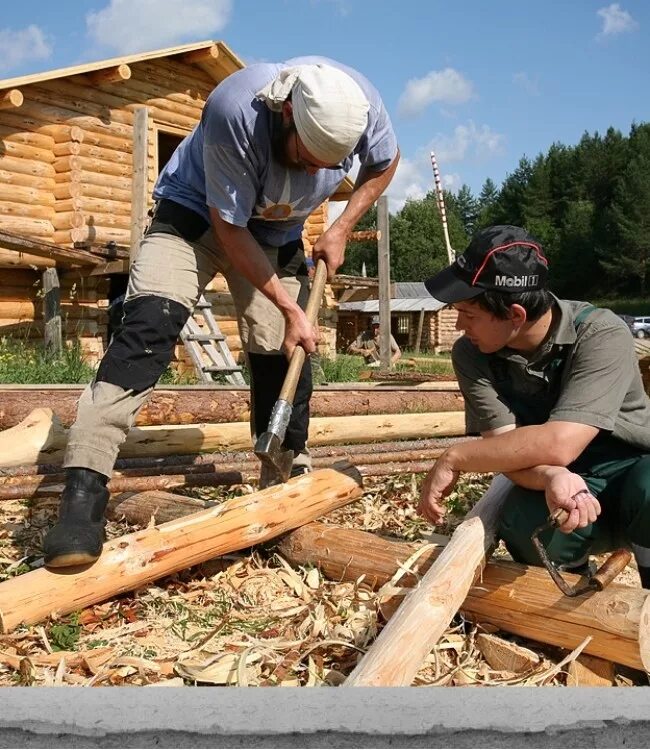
(305, 163)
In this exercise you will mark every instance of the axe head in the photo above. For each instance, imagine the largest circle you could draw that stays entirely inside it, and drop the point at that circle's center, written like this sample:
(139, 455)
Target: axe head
(276, 460)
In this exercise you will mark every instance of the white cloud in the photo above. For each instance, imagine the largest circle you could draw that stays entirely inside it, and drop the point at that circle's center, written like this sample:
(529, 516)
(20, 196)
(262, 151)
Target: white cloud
(447, 86)
(615, 21)
(467, 142)
(130, 26)
(527, 84)
(22, 46)
(451, 181)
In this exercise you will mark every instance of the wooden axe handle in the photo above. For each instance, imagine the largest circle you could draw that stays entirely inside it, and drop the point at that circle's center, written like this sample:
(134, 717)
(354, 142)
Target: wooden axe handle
(311, 311)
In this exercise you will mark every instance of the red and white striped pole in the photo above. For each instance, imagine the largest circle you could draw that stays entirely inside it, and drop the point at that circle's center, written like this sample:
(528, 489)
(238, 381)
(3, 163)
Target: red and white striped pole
(441, 207)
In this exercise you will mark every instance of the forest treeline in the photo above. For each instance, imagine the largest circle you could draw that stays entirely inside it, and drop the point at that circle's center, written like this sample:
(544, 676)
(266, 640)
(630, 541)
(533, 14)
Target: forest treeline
(588, 204)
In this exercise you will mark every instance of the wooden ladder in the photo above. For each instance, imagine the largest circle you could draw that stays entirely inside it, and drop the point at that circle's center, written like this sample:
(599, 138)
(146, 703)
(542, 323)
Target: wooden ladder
(209, 341)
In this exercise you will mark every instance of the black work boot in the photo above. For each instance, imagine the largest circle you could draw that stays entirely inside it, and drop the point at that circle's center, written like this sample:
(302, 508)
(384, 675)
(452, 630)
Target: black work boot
(78, 536)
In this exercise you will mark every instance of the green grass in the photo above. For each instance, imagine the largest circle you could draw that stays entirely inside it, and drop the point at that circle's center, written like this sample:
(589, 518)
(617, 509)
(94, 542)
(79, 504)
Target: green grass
(344, 369)
(23, 362)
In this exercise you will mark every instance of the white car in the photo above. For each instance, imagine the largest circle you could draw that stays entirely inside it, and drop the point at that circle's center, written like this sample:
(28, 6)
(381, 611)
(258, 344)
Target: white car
(641, 327)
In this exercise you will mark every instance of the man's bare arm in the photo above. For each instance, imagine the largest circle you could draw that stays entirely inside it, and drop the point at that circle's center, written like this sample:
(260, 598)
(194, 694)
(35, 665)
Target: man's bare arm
(248, 258)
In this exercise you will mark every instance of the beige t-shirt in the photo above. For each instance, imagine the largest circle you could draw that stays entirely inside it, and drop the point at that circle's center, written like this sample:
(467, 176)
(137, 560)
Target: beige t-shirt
(599, 383)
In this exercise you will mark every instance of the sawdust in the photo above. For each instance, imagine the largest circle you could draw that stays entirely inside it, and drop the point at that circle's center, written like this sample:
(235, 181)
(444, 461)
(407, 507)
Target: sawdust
(249, 619)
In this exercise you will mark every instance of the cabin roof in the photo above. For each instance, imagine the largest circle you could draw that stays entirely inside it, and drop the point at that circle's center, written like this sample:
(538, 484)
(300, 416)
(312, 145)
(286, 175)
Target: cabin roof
(222, 50)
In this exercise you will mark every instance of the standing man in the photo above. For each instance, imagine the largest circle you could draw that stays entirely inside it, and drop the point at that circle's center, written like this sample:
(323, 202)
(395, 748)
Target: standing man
(367, 345)
(554, 388)
(274, 142)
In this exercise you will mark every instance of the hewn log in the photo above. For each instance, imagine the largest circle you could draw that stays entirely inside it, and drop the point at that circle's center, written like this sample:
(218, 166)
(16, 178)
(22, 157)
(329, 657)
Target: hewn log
(92, 205)
(10, 99)
(9, 209)
(11, 259)
(94, 234)
(197, 404)
(66, 220)
(93, 178)
(54, 116)
(137, 559)
(21, 194)
(40, 437)
(27, 180)
(41, 228)
(200, 55)
(73, 148)
(10, 134)
(27, 166)
(116, 74)
(27, 151)
(399, 651)
(91, 164)
(516, 598)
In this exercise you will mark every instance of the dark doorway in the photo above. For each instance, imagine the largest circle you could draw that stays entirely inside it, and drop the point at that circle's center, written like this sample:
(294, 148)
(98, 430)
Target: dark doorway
(167, 143)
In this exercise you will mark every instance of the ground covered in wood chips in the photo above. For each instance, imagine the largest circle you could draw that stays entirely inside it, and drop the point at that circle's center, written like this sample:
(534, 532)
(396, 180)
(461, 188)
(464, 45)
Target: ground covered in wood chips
(249, 618)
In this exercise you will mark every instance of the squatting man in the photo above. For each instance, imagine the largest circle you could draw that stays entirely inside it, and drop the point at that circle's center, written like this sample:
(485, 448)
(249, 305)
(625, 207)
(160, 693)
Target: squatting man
(273, 143)
(554, 389)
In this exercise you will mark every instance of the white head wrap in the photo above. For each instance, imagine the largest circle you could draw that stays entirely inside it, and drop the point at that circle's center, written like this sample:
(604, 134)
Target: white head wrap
(329, 108)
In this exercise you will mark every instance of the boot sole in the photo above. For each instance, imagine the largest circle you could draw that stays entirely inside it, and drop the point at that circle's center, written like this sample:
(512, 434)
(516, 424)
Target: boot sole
(70, 559)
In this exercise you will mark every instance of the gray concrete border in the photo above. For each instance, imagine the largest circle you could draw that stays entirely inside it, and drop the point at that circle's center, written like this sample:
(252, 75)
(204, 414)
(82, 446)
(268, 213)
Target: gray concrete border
(318, 717)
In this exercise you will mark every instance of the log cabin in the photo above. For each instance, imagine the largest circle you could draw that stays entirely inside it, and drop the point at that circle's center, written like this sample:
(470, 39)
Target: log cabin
(80, 150)
(418, 322)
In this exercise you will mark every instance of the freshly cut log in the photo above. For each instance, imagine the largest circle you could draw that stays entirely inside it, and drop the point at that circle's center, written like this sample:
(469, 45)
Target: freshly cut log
(139, 558)
(399, 651)
(40, 437)
(518, 599)
(198, 404)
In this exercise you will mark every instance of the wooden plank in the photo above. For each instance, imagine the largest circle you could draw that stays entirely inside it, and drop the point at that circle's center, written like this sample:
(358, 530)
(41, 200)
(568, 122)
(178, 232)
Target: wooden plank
(140, 181)
(65, 256)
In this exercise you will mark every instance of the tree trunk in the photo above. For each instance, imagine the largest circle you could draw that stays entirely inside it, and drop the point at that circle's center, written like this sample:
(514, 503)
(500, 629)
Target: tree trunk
(137, 559)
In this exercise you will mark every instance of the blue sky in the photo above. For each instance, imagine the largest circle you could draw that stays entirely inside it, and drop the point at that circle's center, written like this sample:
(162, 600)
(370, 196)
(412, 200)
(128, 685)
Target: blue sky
(482, 83)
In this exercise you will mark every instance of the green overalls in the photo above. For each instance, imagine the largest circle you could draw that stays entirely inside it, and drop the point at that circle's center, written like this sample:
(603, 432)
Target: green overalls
(616, 473)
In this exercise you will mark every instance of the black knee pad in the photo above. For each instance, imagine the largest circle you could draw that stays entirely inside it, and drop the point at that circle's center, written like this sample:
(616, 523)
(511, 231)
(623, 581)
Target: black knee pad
(143, 347)
(267, 376)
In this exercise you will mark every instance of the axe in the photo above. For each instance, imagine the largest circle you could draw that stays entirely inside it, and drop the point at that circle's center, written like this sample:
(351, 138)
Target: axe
(268, 446)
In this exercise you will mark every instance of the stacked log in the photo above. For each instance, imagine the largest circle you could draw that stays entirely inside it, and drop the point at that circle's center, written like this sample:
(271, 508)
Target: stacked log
(26, 179)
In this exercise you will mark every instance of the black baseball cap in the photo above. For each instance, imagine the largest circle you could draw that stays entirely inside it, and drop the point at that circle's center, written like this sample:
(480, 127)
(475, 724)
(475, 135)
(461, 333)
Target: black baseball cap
(500, 258)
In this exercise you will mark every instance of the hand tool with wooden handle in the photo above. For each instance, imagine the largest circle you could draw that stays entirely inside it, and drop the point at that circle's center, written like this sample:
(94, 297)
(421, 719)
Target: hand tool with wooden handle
(268, 446)
(607, 572)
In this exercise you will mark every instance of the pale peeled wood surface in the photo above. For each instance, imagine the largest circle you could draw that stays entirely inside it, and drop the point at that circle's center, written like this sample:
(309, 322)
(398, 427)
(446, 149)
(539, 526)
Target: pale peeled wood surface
(144, 556)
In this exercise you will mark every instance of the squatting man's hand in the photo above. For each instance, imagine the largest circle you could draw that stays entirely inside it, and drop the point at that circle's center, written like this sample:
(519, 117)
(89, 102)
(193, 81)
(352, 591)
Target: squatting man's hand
(569, 491)
(439, 482)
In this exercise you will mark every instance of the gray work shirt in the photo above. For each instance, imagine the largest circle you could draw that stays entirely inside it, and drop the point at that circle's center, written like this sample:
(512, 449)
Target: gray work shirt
(599, 383)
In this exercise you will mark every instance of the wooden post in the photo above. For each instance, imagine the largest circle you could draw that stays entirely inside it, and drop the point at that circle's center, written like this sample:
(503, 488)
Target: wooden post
(140, 181)
(418, 338)
(52, 311)
(383, 247)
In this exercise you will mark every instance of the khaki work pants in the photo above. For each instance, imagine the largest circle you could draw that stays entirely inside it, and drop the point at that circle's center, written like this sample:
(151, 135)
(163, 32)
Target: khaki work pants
(171, 267)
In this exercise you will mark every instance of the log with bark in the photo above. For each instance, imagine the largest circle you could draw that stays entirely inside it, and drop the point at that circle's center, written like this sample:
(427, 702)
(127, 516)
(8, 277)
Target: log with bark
(144, 556)
(40, 438)
(198, 404)
(518, 599)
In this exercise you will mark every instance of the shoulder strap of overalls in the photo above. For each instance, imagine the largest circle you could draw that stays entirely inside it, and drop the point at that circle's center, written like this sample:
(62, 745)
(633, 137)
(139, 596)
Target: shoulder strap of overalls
(583, 315)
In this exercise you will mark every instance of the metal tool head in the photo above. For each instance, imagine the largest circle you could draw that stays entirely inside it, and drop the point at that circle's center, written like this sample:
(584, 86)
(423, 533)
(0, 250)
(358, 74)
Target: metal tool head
(276, 460)
(614, 564)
